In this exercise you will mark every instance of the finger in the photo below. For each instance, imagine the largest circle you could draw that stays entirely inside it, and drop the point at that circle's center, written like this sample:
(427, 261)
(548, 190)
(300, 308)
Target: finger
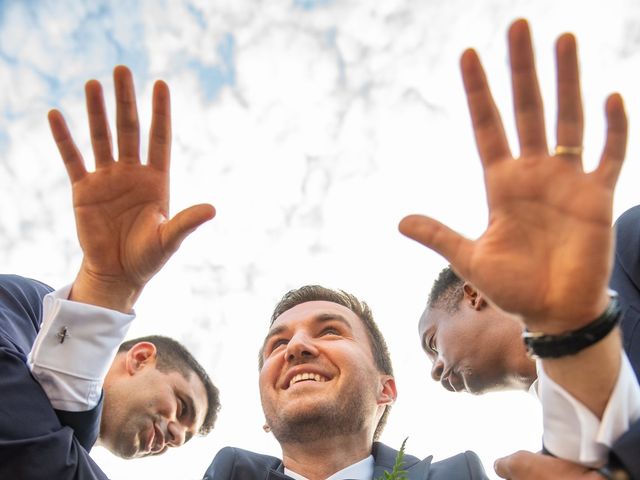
(126, 116)
(534, 466)
(487, 126)
(98, 124)
(160, 134)
(70, 154)
(184, 223)
(527, 100)
(616, 143)
(440, 238)
(570, 127)
(517, 465)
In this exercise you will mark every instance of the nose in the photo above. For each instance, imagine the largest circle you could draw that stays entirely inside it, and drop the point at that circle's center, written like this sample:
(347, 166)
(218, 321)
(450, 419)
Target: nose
(300, 346)
(176, 434)
(437, 369)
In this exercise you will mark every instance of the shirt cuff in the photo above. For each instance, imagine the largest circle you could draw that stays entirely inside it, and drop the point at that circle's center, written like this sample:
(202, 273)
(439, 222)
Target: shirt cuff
(74, 350)
(573, 432)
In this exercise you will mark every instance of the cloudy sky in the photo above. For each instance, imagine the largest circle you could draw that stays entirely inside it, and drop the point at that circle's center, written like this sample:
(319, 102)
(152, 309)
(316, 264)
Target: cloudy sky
(313, 126)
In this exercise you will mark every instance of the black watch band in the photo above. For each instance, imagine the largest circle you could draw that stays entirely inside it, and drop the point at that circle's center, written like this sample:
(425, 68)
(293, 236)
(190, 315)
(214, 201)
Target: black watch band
(611, 472)
(540, 345)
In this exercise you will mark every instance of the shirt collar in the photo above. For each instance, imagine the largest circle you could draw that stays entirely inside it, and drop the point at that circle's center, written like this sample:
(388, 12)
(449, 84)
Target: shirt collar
(362, 470)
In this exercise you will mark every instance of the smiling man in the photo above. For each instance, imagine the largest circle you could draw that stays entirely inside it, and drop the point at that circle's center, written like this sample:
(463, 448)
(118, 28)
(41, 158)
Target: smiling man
(54, 405)
(326, 385)
(156, 397)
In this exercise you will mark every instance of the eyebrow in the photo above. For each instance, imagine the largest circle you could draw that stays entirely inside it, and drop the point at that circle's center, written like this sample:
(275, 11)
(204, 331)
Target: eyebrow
(318, 318)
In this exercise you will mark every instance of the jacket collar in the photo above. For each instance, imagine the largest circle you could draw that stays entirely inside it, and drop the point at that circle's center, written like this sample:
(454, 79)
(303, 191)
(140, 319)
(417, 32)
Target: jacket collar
(385, 458)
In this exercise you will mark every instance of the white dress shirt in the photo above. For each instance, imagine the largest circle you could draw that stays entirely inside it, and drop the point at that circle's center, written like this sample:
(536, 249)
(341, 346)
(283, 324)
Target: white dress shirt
(71, 369)
(362, 470)
(74, 350)
(573, 432)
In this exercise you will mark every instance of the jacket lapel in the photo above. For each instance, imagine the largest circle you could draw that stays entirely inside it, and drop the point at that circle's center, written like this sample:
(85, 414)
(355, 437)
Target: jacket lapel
(385, 458)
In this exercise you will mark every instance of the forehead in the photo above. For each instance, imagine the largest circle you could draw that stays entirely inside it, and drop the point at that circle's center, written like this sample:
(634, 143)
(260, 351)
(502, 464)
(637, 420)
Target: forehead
(308, 313)
(433, 318)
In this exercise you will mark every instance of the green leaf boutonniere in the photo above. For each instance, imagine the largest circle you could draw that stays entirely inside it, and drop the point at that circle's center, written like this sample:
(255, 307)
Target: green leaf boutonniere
(397, 473)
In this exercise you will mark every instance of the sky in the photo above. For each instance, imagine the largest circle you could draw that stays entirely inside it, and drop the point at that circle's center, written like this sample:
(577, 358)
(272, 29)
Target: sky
(313, 126)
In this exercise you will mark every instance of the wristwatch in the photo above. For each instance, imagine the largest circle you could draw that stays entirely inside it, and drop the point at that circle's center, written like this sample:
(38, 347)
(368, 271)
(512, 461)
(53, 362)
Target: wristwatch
(611, 472)
(540, 345)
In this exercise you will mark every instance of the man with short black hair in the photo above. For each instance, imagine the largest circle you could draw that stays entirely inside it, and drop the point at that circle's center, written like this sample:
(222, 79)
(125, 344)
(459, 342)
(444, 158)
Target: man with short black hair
(474, 346)
(545, 257)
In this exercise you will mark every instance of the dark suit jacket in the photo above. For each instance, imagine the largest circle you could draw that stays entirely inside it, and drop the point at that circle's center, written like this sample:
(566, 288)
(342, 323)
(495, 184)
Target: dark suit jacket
(237, 464)
(34, 444)
(625, 279)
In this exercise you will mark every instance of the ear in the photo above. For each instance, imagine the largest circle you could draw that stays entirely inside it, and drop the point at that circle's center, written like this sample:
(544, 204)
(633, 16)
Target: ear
(142, 354)
(388, 393)
(473, 297)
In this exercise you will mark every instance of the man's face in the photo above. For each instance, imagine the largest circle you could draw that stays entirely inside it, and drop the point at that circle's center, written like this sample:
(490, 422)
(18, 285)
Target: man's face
(471, 349)
(319, 378)
(149, 411)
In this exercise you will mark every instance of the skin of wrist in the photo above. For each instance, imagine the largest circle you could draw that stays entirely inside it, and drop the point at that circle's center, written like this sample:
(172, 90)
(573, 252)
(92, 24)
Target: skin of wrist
(552, 325)
(103, 291)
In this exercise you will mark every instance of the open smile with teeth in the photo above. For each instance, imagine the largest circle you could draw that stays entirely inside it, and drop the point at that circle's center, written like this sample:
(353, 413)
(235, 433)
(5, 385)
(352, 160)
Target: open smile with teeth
(301, 377)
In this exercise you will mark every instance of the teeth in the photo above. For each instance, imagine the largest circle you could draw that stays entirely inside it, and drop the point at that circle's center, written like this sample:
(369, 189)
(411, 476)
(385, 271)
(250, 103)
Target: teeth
(307, 376)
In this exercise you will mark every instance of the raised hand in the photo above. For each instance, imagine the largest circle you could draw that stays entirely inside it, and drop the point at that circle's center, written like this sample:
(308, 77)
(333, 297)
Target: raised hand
(546, 253)
(122, 209)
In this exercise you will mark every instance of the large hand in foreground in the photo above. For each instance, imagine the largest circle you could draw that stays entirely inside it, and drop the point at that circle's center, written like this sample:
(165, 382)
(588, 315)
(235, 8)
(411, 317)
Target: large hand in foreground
(546, 253)
(122, 209)
(536, 466)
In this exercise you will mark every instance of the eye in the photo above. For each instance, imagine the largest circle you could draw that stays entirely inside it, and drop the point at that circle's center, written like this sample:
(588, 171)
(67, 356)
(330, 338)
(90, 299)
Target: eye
(431, 344)
(182, 407)
(277, 344)
(330, 331)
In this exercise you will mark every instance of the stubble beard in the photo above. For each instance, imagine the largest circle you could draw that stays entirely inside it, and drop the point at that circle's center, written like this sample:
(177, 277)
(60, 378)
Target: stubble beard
(322, 420)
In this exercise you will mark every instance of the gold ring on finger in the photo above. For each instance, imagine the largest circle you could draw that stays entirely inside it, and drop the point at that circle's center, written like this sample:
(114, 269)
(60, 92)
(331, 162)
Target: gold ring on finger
(568, 150)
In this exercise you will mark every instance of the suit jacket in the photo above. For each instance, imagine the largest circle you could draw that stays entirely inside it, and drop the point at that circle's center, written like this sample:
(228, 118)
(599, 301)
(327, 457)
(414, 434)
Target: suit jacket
(34, 444)
(237, 464)
(625, 279)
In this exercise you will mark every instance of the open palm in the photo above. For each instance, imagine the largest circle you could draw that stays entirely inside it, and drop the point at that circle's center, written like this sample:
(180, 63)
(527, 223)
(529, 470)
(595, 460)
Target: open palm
(546, 252)
(122, 209)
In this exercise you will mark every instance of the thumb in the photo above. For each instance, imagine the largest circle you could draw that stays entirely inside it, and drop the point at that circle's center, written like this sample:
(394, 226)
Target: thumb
(184, 223)
(514, 465)
(438, 237)
(536, 466)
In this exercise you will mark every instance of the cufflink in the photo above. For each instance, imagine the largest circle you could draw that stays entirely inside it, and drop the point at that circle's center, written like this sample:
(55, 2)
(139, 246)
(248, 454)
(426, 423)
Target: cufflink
(63, 334)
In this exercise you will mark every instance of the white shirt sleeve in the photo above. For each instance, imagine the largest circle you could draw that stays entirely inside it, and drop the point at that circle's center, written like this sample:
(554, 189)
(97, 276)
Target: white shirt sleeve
(573, 432)
(74, 349)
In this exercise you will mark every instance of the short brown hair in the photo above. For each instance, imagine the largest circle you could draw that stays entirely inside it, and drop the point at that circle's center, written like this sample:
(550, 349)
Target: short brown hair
(172, 356)
(312, 293)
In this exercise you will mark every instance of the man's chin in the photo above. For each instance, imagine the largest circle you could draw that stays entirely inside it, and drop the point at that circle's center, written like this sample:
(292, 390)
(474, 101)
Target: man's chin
(126, 451)
(312, 425)
(487, 387)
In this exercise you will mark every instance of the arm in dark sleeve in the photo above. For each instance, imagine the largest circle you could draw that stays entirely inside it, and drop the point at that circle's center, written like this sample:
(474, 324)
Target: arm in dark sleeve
(625, 279)
(624, 452)
(33, 443)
